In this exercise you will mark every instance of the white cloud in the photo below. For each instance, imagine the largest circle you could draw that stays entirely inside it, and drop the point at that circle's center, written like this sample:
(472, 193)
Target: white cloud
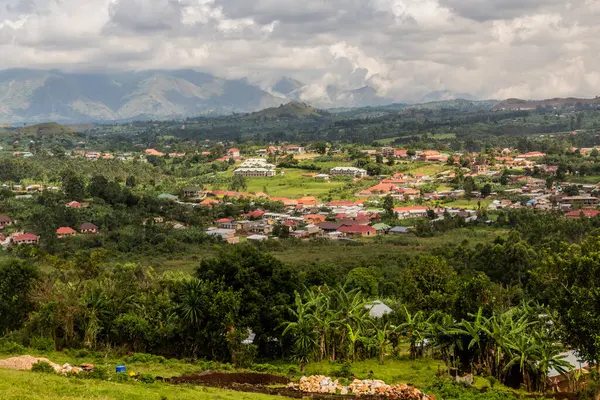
(402, 48)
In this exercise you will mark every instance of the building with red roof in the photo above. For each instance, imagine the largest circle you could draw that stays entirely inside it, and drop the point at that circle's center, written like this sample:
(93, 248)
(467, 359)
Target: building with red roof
(358, 230)
(74, 204)
(26, 238)
(65, 231)
(577, 214)
(233, 152)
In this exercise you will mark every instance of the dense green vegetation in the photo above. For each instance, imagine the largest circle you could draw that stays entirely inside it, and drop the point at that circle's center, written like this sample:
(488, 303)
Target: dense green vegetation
(501, 301)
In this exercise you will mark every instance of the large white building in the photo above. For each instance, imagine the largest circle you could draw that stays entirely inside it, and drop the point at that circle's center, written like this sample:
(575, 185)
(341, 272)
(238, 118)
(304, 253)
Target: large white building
(348, 171)
(255, 168)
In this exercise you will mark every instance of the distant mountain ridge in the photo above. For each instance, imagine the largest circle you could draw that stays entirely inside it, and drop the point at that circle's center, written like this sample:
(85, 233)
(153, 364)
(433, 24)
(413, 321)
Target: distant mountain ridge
(39, 95)
(518, 104)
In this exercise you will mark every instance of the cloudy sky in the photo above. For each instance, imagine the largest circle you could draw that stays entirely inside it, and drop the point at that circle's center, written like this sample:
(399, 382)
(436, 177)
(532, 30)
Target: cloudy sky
(403, 48)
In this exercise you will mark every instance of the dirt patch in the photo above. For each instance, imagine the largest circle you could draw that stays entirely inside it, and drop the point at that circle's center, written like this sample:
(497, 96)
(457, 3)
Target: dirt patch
(25, 363)
(223, 379)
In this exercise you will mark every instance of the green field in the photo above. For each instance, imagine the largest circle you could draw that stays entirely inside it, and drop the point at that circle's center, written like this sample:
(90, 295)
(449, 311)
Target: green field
(294, 183)
(24, 385)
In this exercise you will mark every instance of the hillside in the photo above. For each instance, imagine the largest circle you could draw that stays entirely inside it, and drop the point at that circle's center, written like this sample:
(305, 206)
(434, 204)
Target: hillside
(291, 110)
(45, 129)
(518, 104)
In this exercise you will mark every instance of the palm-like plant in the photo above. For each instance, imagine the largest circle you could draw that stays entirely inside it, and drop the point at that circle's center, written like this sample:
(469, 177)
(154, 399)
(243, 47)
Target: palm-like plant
(305, 337)
(414, 329)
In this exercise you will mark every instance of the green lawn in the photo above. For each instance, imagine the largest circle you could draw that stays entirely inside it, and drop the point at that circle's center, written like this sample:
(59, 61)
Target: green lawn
(24, 385)
(294, 183)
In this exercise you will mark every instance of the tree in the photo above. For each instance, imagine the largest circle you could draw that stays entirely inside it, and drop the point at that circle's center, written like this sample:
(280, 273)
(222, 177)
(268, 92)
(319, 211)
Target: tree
(130, 181)
(486, 190)
(378, 159)
(320, 147)
(97, 186)
(468, 186)
(571, 280)
(265, 284)
(388, 206)
(362, 279)
(238, 183)
(16, 281)
(391, 160)
(504, 177)
(73, 185)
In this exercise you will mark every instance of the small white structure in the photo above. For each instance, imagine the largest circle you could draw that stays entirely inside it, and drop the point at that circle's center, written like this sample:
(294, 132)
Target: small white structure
(378, 309)
(348, 171)
(257, 238)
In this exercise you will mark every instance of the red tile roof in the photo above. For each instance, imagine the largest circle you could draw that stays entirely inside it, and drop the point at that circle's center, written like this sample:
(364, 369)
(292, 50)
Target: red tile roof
(26, 236)
(65, 230)
(586, 213)
(356, 229)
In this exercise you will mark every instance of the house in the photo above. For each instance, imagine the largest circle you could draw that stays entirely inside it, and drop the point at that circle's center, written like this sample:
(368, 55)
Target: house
(153, 152)
(348, 171)
(358, 230)
(577, 214)
(314, 218)
(74, 204)
(209, 202)
(399, 230)
(229, 224)
(329, 227)
(560, 381)
(26, 238)
(227, 235)
(428, 154)
(5, 221)
(64, 232)
(233, 152)
(579, 200)
(257, 238)
(88, 228)
(192, 192)
(307, 201)
(293, 149)
(382, 228)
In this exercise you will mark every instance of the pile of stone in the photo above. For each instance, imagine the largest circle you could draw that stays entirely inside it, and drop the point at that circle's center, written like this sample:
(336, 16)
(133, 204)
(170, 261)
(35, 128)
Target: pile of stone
(373, 387)
(27, 362)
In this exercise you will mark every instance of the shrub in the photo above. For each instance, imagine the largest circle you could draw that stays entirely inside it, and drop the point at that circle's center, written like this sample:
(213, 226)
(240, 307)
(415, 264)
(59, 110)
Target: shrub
(345, 371)
(42, 344)
(9, 347)
(43, 367)
(99, 372)
(147, 378)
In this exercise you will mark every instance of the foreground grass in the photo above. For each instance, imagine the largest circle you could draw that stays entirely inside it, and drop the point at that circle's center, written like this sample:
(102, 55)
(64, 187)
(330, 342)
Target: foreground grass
(24, 385)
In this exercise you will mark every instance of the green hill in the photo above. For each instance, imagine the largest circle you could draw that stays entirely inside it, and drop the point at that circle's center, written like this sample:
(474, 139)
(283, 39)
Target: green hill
(47, 128)
(291, 110)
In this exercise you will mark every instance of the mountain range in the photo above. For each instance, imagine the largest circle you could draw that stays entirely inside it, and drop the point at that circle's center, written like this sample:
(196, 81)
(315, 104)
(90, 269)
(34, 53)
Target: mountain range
(29, 96)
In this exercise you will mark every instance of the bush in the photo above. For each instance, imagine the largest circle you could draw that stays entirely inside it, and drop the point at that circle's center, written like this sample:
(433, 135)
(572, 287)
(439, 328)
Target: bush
(100, 373)
(147, 378)
(43, 367)
(345, 371)
(42, 344)
(9, 347)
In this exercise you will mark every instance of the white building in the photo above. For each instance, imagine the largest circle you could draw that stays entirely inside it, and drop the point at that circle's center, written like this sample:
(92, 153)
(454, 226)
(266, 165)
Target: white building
(348, 171)
(255, 168)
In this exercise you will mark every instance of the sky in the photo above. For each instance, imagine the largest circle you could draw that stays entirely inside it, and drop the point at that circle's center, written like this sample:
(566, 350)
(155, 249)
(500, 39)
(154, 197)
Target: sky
(496, 49)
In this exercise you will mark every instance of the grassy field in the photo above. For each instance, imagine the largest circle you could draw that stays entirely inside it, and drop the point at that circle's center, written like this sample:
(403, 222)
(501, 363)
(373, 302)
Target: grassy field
(380, 250)
(24, 385)
(294, 183)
